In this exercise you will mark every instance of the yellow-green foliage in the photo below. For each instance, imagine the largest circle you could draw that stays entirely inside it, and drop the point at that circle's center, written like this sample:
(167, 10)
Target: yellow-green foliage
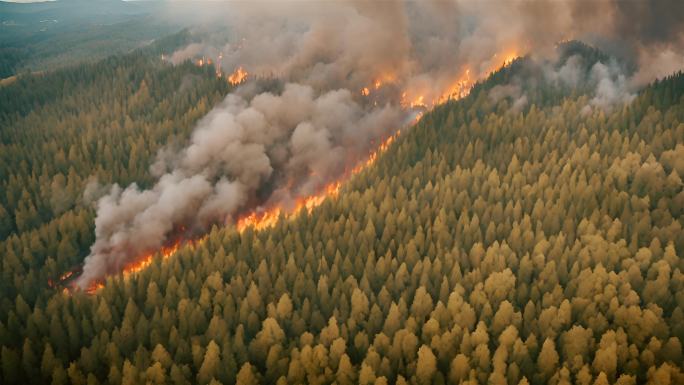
(486, 246)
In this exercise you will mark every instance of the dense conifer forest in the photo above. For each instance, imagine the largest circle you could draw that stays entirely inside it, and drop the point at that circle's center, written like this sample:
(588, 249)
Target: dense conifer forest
(488, 245)
(77, 130)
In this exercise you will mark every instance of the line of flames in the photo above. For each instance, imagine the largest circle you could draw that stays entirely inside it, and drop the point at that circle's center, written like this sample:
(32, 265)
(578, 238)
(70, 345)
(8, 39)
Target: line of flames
(263, 219)
(459, 88)
(141, 263)
(235, 78)
(268, 218)
(238, 76)
(257, 220)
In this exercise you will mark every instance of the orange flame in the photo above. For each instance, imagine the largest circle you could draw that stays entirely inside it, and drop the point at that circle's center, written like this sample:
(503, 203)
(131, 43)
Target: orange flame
(138, 265)
(378, 82)
(508, 60)
(460, 87)
(509, 57)
(258, 220)
(269, 218)
(146, 260)
(94, 287)
(202, 61)
(383, 79)
(66, 275)
(263, 219)
(238, 76)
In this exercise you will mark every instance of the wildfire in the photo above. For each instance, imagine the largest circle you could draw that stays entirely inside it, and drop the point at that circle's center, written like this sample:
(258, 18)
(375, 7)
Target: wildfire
(268, 218)
(138, 265)
(418, 102)
(378, 82)
(66, 275)
(63, 279)
(508, 58)
(258, 220)
(238, 76)
(203, 61)
(261, 219)
(384, 78)
(94, 287)
(147, 259)
(460, 88)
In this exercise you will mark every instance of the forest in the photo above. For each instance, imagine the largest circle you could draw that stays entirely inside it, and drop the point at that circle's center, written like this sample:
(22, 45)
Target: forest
(43, 36)
(487, 245)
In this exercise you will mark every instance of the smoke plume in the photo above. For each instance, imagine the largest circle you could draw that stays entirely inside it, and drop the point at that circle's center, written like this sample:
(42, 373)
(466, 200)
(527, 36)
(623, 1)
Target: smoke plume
(347, 75)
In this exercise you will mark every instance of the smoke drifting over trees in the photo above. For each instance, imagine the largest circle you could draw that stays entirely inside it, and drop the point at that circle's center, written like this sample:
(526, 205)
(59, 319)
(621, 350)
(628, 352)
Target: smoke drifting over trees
(270, 148)
(295, 141)
(529, 233)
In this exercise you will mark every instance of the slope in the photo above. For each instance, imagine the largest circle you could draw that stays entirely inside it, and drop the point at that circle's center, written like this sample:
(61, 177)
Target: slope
(49, 35)
(79, 130)
(490, 244)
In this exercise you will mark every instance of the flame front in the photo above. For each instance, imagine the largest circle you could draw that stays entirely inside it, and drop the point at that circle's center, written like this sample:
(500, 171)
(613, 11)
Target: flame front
(460, 88)
(265, 218)
(257, 220)
(140, 264)
(238, 76)
(422, 96)
(146, 260)
(261, 218)
(93, 288)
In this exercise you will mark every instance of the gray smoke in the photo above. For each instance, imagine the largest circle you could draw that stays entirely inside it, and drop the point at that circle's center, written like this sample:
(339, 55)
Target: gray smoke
(513, 92)
(271, 146)
(609, 83)
(612, 87)
(297, 140)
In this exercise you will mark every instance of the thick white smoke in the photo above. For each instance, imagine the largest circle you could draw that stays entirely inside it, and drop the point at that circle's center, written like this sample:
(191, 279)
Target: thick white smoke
(297, 141)
(271, 147)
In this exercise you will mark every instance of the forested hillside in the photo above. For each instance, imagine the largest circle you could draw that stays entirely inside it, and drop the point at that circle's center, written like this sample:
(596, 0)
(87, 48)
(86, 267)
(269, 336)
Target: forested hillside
(42, 36)
(488, 245)
(74, 131)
